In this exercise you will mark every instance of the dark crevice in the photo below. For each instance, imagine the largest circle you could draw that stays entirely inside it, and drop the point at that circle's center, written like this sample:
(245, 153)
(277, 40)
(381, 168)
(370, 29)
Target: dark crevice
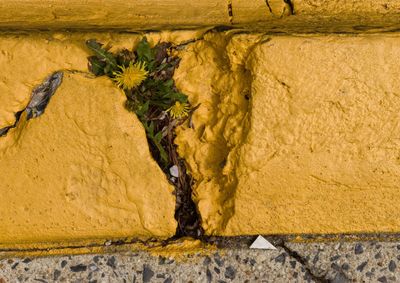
(230, 11)
(40, 98)
(291, 6)
(269, 7)
(300, 259)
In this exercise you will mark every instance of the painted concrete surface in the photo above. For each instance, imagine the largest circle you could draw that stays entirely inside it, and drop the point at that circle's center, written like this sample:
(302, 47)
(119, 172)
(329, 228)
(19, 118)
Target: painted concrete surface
(174, 14)
(294, 134)
(83, 174)
(313, 262)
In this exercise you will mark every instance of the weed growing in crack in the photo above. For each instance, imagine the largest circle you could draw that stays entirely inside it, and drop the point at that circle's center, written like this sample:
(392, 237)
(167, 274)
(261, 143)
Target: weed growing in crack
(145, 74)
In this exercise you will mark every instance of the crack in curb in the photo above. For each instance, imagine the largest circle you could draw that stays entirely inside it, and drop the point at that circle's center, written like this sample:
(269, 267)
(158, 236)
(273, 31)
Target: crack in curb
(40, 97)
(230, 12)
(291, 6)
(269, 6)
(300, 259)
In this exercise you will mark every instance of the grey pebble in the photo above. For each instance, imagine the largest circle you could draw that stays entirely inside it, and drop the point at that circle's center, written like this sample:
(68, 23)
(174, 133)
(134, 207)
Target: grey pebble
(209, 275)
(281, 258)
(392, 266)
(147, 273)
(335, 258)
(207, 260)
(230, 273)
(111, 262)
(63, 263)
(56, 274)
(218, 260)
(78, 268)
(345, 266)
(339, 278)
(361, 267)
(358, 249)
(382, 279)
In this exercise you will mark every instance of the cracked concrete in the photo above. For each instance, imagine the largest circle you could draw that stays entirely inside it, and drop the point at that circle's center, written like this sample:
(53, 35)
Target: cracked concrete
(336, 262)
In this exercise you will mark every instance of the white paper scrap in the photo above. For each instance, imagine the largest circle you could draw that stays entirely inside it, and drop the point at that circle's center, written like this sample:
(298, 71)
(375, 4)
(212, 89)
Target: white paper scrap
(262, 244)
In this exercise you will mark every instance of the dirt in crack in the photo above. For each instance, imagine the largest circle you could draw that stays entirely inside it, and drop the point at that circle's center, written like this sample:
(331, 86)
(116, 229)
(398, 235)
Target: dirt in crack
(145, 73)
(40, 98)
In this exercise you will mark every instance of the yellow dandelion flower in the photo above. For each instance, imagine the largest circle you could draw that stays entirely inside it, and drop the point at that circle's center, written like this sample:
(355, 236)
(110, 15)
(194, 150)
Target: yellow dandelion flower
(179, 110)
(131, 76)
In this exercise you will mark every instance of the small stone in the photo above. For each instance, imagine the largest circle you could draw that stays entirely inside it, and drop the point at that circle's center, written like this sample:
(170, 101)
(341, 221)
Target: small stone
(147, 273)
(168, 280)
(207, 260)
(27, 260)
(218, 260)
(358, 249)
(230, 273)
(93, 267)
(340, 278)
(209, 276)
(335, 258)
(382, 279)
(362, 266)
(378, 255)
(345, 266)
(281, 258)
(369, 274)
(56, 274)
(174, 171)
(335, 266)
(63, 263)
(392, 266)
(111, 262)
(78, 268)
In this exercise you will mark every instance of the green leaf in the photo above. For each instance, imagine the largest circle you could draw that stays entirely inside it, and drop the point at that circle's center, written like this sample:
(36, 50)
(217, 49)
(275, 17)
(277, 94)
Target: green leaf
(102, 53)
(163, 154)
(169, 83)
(179, 97)
(158, 137)
(144, 51)
(142, 109)
(150, 129)
(96, 66)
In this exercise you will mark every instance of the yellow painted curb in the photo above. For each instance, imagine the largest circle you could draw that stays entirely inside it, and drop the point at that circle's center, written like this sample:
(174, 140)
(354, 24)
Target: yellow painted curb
(175, 14)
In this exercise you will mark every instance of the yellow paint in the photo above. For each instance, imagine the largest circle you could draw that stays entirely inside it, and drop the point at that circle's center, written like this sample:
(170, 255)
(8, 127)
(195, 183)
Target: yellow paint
(95, 14)
(316, 149)
(26, 59)
(293, 135)
(81, 171)
(181, 248)
(271, 15)
(45, 203)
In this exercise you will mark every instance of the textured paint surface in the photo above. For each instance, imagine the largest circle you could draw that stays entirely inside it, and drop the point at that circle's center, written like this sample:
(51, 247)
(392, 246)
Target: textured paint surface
(27, 59)
(315, 149)
(175, 14)
(293, 135)
(81, 171)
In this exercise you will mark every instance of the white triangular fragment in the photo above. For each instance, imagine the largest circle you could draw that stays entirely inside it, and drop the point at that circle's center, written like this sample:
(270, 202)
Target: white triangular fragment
(262, 244)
